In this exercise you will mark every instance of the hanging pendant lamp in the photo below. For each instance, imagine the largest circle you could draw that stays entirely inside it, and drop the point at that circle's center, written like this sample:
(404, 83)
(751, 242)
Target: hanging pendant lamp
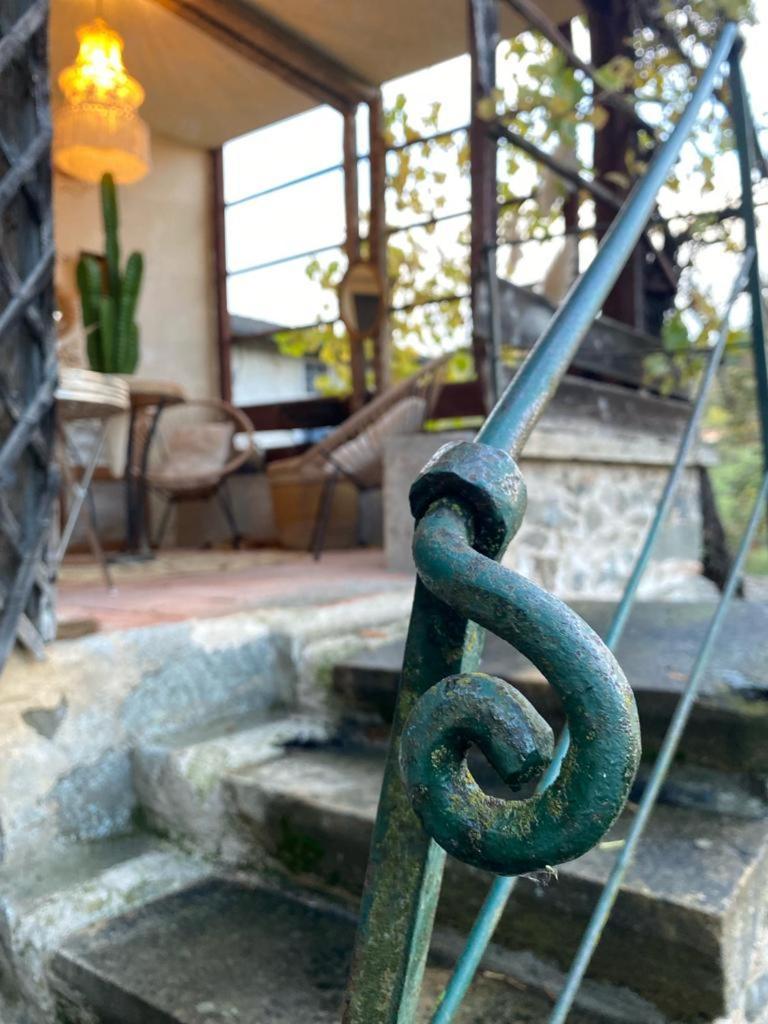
(98, 129)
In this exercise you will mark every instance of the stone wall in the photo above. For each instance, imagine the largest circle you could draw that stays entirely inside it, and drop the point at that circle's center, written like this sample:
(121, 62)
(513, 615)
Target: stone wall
(594, 468)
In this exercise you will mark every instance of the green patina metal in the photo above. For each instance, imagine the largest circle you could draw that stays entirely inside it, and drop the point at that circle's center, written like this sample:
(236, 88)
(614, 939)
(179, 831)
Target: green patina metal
(456, 561)
(501, 889)
(405, 866)
(471, 500)
(468, 503)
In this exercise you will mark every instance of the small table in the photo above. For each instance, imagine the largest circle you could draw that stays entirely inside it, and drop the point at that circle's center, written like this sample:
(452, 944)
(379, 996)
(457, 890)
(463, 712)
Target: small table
(148, 398)
(85, 395)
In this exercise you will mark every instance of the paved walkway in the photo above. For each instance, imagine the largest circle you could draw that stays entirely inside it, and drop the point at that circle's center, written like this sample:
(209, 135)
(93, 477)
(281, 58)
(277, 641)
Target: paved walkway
(181, 585)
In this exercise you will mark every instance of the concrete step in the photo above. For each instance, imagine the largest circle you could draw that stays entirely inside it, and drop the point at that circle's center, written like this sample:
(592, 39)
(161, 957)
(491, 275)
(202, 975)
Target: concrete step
(59, 891)
(65, 766)
(178, 778)
(239, 952)
(729, 723)
(683, 934)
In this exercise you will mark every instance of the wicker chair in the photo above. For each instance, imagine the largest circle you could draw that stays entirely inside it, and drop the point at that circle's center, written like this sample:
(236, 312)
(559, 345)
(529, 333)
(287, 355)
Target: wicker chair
(330, 476)
(192, 457)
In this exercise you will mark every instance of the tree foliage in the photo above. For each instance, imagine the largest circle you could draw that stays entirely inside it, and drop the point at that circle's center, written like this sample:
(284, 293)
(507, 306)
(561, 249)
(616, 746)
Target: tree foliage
(558, 108)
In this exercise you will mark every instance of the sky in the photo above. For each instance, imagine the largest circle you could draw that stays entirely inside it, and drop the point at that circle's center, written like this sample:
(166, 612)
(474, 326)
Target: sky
(310, 215)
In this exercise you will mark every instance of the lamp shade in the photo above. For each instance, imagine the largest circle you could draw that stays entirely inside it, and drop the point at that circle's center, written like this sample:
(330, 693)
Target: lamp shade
(98, 129)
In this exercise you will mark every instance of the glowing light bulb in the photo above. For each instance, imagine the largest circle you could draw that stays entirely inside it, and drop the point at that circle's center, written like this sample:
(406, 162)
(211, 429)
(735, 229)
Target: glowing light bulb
(98, 129)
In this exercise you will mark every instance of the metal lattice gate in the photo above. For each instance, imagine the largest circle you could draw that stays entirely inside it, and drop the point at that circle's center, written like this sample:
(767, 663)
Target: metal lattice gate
(28, 476)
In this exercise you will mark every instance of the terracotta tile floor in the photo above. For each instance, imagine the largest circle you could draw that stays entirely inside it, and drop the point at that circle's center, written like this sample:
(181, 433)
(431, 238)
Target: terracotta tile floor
(182, 584)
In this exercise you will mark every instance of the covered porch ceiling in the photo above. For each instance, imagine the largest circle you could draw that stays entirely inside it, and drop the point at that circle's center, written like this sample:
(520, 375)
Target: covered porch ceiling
(215, 69)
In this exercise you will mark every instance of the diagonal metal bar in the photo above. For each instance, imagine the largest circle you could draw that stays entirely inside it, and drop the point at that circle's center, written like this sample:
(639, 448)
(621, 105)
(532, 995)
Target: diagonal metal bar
(743, 125)
(23, 167)
(14, 42)
(619, 101)
(405, 866)
(514, 417)
(26, 633)
(503, 886)
(14, 411)
(13, 284)
(10, 154)
(36, 280)
(666, 754)
(687, 441)
(19, 594)
(39, 405)
(580, 181)
(562, 170)
(10, 527)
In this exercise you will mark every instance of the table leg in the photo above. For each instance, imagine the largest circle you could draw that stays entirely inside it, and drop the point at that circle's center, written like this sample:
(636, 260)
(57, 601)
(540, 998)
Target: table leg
(131, 542)
(136, 539)
(80, 491)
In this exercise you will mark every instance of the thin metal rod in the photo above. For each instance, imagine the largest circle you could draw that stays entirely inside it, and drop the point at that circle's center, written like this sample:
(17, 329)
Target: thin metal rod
(81, 493)
(501, 889)
(489, 915)
(477, 943)
(443, 134)
(285, 259)
(687, 441)
(519, 408)
(494, 324)
(361, 158)
(660, 769)
(744, 138)
(558, 167)
(285, 184)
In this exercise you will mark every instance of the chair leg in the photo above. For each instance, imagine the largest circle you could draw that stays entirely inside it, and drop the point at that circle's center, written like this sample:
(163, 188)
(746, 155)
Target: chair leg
(323, 517)
(360, 530)
(225, 500)
(163, 527)
(91, 526)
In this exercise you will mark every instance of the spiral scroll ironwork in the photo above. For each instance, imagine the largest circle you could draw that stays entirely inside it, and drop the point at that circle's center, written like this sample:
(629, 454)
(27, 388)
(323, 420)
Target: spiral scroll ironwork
(469, 501)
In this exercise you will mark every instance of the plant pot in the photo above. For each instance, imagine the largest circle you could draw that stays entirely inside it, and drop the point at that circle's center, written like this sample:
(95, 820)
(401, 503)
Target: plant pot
(295, 501)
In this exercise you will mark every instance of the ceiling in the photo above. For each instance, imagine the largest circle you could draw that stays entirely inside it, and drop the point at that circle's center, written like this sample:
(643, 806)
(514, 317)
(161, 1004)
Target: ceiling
(202, 93)
(382, 39)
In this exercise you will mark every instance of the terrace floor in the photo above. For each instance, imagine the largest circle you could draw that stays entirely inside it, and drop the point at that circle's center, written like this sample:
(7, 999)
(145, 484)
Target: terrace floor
(188, 584)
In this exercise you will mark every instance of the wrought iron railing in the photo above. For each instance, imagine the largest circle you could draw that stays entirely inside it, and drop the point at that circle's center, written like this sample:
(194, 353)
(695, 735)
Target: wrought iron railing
(468, 503)
(28, 364)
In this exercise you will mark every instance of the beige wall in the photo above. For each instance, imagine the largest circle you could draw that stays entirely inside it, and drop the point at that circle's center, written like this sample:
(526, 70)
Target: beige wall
(167, 217)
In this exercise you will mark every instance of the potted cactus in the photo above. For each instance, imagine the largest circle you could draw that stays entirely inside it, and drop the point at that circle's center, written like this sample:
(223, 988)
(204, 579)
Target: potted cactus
(109, 296)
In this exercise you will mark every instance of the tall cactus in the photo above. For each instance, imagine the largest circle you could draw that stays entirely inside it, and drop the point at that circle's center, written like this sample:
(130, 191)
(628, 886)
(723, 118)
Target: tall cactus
(109, 299)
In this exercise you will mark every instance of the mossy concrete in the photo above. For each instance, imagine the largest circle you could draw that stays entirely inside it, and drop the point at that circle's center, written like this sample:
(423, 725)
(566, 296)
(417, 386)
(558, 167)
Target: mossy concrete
(681, 934)
(179, 780)
(729, 722)
(233, 952)
(68, 725)
(59, 891)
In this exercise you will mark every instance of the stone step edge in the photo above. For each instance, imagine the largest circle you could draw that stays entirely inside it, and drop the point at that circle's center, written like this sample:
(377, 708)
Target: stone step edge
(302, 833)
(179, 784)
(33, 926)
(71, 779)
(597, 1001)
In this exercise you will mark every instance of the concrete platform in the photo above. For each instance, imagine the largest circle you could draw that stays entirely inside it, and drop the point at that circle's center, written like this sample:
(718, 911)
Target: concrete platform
(185, 584)
(683, 931)
(62, 889)
(229, 952)
(69, 724)
(730, 722)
